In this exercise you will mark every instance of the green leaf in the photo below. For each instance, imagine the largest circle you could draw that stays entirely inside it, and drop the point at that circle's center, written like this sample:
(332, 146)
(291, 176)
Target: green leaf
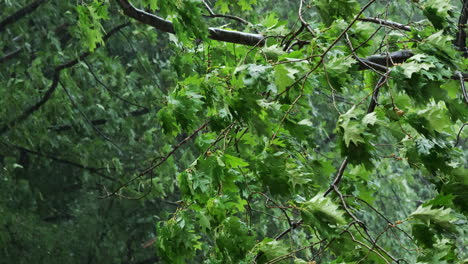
(234, 162)
(423, 235)
(330, 10)
(370, 119)
(411, 67)
(339, 65)
(89, 21)
(352, 133)
(246, 4)
(322, 209)
(273, 249)
(284, 76)
(204, 222)
(438, 216)
(270, 21)
(152, 4)
(437, 11)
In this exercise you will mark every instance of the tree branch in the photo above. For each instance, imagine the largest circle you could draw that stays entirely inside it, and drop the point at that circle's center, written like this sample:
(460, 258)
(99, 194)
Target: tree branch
(213, 14)
(460, 39)
(338, 177)
(98, 131)
(161, 161)
(10, 55)
(4, 128)
(60, 160)
(167, 26)
(385, 23)
(20, 13)
(55, 80)
(97, 122)
(459, 133)
(382, 62)
(91, 70)
(303, 22)
(371, 108)
(462, 85)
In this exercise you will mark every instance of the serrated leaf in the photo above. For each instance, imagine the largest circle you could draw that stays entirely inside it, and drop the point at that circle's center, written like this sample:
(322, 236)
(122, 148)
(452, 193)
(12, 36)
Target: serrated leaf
(412, 67)
(274, 249)
(352, 129)
(353, 112)
(370, 119)
(270, 21)
(204, 222)
(437, 11)
(439, 216)
(273, 50)
(352, 133)
(234, 162)
(324, 209)
(437, 116)
(339, 65)
(284, 76)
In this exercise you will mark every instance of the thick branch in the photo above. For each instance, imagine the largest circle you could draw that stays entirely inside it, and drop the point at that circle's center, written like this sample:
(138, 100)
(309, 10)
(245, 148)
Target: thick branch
(20, 13)
(462, 85)
(167, 26)
(382, 62)
(460, 40)
(385, 23)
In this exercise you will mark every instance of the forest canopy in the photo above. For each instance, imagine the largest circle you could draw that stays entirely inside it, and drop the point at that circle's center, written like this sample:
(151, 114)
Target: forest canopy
(219, 131)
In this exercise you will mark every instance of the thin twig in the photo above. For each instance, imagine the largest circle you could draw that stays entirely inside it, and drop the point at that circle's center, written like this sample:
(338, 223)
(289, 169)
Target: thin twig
(213, 14)
(91, 70)
(366, 246)
(368, 64)
(291, 254)
(371, 108)
(462, 85)
(60, 160)
(338, 177)
(459, 133)
(161, 161)
(75, 105)
(347, 28)
(304, 23)
(385, 23)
